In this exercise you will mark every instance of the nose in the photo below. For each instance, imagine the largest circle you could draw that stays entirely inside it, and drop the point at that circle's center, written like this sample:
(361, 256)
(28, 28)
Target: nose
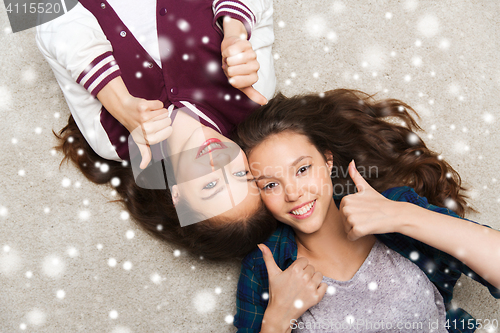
(293, 192)
(219, 160)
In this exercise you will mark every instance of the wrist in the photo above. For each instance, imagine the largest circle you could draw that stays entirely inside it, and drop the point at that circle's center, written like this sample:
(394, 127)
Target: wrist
(276, 321)
(115, 97)
(405, 217)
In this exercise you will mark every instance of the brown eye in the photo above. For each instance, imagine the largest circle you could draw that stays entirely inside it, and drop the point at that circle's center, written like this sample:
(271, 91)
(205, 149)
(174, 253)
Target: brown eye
(270, 186)
(303, 169)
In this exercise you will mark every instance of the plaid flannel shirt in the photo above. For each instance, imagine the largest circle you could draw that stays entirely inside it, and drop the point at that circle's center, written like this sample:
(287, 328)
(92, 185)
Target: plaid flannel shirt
(441, 268)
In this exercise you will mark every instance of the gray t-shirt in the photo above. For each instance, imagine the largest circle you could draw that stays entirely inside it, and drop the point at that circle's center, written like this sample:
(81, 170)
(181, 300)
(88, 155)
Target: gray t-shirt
(388, 293)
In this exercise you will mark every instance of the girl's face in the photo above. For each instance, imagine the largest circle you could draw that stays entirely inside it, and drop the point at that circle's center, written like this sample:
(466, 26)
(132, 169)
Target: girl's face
(213, 176)
(294, 180)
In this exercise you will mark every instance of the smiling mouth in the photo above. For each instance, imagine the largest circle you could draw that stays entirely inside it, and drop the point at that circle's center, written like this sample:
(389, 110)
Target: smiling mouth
(303, 211)
(209, 146)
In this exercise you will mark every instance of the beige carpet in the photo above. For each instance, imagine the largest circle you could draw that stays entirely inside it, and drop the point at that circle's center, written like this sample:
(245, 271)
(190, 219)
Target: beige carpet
(71, 261)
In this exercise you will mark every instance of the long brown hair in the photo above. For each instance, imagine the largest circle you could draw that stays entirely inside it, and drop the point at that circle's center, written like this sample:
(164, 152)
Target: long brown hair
(353, 125)
(153, 210)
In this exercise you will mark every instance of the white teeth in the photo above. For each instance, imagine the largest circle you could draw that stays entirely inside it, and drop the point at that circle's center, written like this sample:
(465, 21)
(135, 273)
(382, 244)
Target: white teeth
(303, 210)
(210, 147)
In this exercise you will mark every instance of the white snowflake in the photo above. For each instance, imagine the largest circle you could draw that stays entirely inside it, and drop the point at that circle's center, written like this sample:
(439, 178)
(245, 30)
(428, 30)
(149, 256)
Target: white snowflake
(315, 26)
(112, 262)
(183, 25)
(29, 75)
(212, 67)
(414, 255)
(53, 266)
(428, 25)
(204, 301)
(127, 265)
(84, 215)
(338, 7)
(113, 314)
(72, 252)
(36, 317)
(10, 261)
(130, 234)
(5, 98)
(61, 294)
(121, 329)
(298, 303)
(66, 182)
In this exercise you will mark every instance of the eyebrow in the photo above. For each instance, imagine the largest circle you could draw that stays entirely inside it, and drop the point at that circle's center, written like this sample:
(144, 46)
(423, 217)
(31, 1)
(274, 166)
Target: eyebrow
(214, 194)
(293, 164)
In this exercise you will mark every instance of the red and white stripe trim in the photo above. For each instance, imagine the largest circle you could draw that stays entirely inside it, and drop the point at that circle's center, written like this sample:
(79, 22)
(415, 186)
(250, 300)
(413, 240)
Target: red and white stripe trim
(100, 71)
(236, 10)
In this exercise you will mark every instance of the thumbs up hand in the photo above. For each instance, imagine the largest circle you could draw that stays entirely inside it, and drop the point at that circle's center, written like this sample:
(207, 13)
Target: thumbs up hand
(367, 211)
(291, 292)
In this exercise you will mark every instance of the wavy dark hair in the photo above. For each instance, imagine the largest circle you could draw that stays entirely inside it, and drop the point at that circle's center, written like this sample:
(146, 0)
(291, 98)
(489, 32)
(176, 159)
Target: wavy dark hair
(353, 125)
(153, 210)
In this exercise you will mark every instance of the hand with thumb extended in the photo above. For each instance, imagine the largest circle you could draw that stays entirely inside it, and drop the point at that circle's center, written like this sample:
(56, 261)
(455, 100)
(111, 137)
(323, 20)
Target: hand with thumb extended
(239, 63)
(367, 211)
(291, 292)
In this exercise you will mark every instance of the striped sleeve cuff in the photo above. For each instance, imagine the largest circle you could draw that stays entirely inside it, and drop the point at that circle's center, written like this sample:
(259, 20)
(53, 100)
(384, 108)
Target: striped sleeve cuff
(100, 71)
(236, 10)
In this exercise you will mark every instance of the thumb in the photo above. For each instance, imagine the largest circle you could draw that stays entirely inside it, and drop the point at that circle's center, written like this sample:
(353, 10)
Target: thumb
(272, 268)
(356, 177)
(146, 155)
(154, 105)
(254, 95)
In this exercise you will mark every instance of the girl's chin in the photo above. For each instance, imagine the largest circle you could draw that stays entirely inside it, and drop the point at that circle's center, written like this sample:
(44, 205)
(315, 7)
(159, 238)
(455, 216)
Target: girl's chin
(304, 226)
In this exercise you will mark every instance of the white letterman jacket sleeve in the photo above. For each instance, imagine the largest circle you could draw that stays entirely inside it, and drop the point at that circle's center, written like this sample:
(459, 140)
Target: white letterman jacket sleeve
(80, 56)
(77, 43)
(257, 16)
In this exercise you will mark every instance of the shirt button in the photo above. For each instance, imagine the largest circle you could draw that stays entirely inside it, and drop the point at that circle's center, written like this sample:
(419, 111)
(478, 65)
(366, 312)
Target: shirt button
(103, 5)
(174, 91)
(150, 65)
(123, 33)
(163, 11)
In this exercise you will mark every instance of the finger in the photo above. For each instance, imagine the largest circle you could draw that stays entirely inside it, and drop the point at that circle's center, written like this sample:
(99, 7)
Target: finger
(317, 278)
(239, 46)
(322, 290)
(151, 130)
(244, 69)
(154, 105)
(353, 235)
(254, 95)
(146, 155)
(241, 58)
(162, 135)
(244, 81)
(300, 263)
(163, 116)
(145, 105)
(356, 177)
(272, 268)
(148, 115)
(309, 272)
(156, 124)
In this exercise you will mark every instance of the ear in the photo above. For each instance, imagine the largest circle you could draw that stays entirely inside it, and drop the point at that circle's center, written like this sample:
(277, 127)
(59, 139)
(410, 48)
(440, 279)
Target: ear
(329, 160)
(175, 195)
